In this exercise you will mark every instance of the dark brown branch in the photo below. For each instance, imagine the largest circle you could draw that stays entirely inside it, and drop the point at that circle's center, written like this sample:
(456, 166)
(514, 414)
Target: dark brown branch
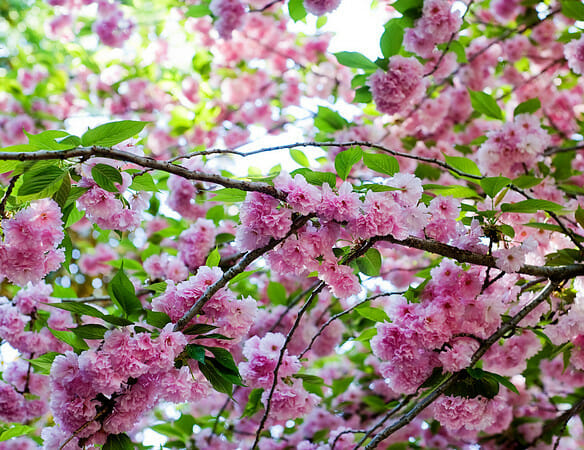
(9, 189)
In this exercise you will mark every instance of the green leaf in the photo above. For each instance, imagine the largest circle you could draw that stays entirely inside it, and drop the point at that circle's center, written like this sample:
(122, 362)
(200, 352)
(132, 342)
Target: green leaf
(527, 107)
(229, 195)
(316, 178)
(363, 95)
(381, 162)
(574, 9)
(493, 185)
(366, 335)
(78, 308)
(70, 338)
(39, 178)
(118, 442)
(144, 182)
(277, 293)
(71, 141)
(504, 381)
(391, 39)
(105, 176)
(47, 140)
(74, 215)
(405, 5)
(123, 294)
(112, 133)
(328, 120)
(198, 328)
(43, 363)
(15, 430)
(196, 352)
(213, 259)
(371, 313)
(62, 193)
(296, 10)
(579, 216)
(526, 181)
(218, 382)
(485, 104)
(370, 262)
(355, 60)
(8, 166)
(157, 319)
(452, 190)
(340, 385)
(224, 358)
(458, 49)
(198, 10)
(299, 157)
(254, 403)
(463, 164)
(531, 206)
(90, 331)
(346, 159)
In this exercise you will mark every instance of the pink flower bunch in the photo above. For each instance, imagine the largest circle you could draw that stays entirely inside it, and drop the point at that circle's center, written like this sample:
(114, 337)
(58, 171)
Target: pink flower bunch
(289, 401)
(262, 356)
(195, 243)
(398, 88)
(574, 53)
(340, 206)
(100, 378)
(262, 218)
(233, 316)
(14, 407)
(457, 413)
(437, 24)
(112, 27)
(95, 264)
(182, 197)
(29, 250)
(320, 7)
(104, 209)
(516, 145)
(166, 267)
(511, 357)
(302, 197)
(230, 15)
(340, 278)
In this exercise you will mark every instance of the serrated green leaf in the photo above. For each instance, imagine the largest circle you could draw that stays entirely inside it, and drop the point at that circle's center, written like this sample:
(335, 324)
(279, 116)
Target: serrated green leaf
(118, 442)
(579, 216)
(144, 182)
(370, 262)
(299, 157)
(381, 162)
(346, 159)
(123, 294)
(316, 178)
(391, 39)
(493, 185)
(254, 403)
(328, 120)
(112, 133)
(463, 164)
(8, 166)
(198, 328)
(527, 107)
(371, 313)
(40, 178)
(531, 206)
(355, 60)
(89, 331)
(213, 259)
(574, 9)
(296, 10)
(47, 140)
(224, 358)
(229, 195)
(15, 430)
(366, 335)
(105, 176)
(526, 181)
(218, 382)
(363, 95)
(277, 293)
(485, 104)
(157, 319)
(196, 352)
(43, 363)
(78, 308)
(198, 11)
(70, 338)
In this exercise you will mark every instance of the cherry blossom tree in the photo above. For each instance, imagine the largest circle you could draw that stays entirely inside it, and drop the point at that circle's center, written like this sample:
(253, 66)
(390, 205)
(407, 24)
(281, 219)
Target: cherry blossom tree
(174, 258)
